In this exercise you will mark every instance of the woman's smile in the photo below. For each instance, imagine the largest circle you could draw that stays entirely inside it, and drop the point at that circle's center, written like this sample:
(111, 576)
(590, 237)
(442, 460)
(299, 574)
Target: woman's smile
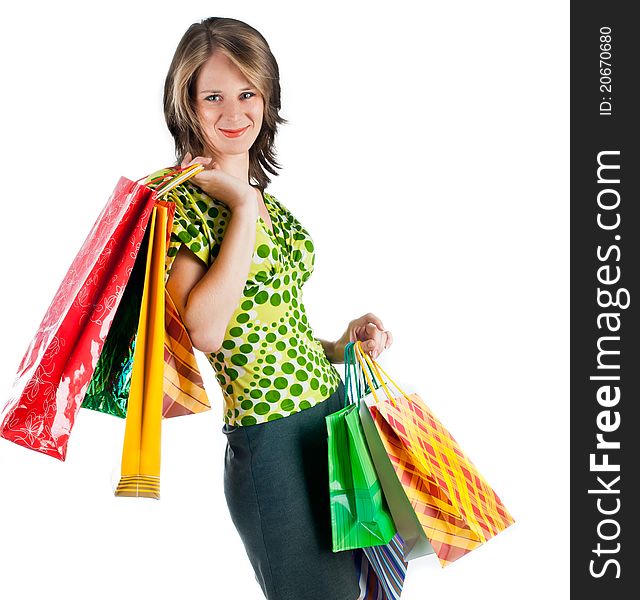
(233, 133)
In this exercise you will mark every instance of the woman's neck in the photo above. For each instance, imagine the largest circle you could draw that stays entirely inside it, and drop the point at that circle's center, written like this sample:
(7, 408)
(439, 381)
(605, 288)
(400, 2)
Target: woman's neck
(236, 165)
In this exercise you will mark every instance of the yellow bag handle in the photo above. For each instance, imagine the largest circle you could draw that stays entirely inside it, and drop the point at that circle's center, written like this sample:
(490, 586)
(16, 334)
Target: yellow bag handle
(359, 353)
(365, 361)
(175, 178)
(185, 174)
(376, 368)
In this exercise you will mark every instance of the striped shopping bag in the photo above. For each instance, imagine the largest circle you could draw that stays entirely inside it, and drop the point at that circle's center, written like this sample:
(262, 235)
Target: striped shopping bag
(455, 506)
(381, 570)
(184, 392)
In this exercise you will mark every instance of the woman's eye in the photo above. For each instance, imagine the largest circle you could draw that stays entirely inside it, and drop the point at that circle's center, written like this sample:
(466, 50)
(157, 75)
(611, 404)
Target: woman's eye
(244, 94)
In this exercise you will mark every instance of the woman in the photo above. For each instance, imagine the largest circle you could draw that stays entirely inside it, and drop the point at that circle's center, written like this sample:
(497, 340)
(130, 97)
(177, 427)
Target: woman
(239, 259)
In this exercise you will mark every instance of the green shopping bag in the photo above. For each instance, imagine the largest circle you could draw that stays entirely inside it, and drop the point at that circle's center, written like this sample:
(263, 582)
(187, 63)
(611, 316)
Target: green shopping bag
(360, 517)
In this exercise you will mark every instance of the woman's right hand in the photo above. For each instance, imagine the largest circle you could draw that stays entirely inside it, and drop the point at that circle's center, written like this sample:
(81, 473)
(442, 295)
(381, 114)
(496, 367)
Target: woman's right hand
(213, 181)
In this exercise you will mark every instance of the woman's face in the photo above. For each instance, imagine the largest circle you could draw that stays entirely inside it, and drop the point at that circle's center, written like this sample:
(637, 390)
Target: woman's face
(225, 103)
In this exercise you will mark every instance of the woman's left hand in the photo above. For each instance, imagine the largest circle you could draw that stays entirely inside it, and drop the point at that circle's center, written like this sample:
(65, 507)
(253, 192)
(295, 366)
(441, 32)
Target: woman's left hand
(370, 331)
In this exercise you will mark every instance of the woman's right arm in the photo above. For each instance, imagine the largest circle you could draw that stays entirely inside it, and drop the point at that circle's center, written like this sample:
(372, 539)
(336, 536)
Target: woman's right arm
(207, 298)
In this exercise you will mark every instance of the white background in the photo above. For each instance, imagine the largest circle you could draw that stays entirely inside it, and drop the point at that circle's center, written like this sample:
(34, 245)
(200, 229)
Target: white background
(427, 154)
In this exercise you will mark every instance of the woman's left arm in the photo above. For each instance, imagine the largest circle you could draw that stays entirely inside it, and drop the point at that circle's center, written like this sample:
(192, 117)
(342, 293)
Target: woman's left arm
(369, 330)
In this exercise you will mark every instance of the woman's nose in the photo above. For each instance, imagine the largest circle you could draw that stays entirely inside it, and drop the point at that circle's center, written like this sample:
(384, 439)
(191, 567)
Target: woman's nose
(232, 110)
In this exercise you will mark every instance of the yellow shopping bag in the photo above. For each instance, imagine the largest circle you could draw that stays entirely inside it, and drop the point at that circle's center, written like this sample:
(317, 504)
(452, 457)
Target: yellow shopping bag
(165, 377)
(142, 439)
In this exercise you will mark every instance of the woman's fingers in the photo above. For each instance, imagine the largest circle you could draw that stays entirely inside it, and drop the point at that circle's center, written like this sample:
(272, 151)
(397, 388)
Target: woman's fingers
(380, 340)
(188, 160)
(386, 341)
(372, 334)
(389, 340)
(375, 340)
(203, 160)
(371, 318)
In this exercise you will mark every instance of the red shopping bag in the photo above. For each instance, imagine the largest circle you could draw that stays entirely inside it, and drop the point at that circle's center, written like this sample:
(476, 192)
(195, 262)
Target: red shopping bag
(57, 367)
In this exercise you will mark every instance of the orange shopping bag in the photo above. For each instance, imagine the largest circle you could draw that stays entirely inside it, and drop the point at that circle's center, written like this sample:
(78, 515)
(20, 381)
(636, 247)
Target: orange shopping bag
(455, 506)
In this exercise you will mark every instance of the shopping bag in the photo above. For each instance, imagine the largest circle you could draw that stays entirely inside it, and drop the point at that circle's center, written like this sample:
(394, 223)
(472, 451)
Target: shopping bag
(359, 514)
(415, 541)
(381, 570)
(184, 391)
(108, 389)
(140, 467)
(456, 508)
(55, 372)
(165, 379)
(183, 387)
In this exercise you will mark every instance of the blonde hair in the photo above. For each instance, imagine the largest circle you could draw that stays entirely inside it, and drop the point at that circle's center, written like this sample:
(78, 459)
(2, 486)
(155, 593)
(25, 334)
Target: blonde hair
(249, 51)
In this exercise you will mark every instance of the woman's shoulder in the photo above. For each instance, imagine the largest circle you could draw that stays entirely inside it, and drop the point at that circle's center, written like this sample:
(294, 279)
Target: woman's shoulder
(274, 201)
(271, 196)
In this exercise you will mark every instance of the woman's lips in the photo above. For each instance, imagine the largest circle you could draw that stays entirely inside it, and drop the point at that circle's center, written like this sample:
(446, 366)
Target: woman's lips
(233, 133)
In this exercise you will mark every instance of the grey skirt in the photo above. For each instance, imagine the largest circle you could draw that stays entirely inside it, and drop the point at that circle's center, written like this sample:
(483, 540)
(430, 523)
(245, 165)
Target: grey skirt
(276, 484)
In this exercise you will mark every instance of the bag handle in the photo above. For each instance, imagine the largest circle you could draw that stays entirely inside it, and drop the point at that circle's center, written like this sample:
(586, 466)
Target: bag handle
(348, 377)
(373, 372)
(379, 369)
(362, 356)
(354, 382)
(362, 359)
(174, 178)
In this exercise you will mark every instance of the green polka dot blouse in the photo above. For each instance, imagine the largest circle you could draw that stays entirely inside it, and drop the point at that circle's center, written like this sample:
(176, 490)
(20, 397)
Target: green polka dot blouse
(270, 365)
